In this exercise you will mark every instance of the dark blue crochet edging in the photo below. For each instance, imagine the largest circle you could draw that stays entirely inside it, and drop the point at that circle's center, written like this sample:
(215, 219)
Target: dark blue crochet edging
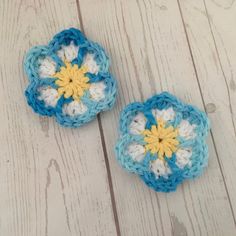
(31, 66)
(199, 158)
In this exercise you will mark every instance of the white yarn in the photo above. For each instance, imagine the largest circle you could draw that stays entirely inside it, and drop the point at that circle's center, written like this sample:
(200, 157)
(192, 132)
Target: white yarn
(91, 63)
(136, 151)
(97, 91)
(137, 125)
(183, 157)
(186, 130)
(47, 67)
(165, 114)
(49, 96)
(74, 108)
(160, 168)
(68, 53)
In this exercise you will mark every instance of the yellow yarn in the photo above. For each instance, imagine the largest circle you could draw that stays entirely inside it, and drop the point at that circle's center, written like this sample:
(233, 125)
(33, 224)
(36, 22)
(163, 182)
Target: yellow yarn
(161, 140)
(72, 81)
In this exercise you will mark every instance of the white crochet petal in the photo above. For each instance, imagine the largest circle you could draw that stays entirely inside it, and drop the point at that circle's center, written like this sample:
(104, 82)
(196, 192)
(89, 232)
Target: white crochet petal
(160, 168)
(165, 114)
(97, 91)
(47, 67)
(91, 63)
(137, 125)
(136, 151)
(68, 53)
(48, 95)
(183, 157)
(186, 130)
(74, 108)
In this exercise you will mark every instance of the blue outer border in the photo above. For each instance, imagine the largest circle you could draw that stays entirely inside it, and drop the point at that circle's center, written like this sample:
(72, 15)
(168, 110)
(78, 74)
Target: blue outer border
(199, 158)
(31, 66)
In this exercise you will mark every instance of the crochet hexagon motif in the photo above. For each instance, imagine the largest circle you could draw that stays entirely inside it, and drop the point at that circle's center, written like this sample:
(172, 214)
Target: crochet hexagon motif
(163, 141)
(69, 79)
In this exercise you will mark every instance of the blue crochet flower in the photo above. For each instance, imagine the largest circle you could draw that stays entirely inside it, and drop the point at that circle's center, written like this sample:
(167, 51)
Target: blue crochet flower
(69, 79)
(163, 141)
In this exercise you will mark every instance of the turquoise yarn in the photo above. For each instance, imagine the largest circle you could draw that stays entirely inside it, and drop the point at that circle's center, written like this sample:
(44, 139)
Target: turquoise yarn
(32, 64)
(197, 144)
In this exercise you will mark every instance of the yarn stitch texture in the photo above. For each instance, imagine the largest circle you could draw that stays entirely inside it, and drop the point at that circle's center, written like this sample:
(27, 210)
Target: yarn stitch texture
(69, 79)
(163, 141)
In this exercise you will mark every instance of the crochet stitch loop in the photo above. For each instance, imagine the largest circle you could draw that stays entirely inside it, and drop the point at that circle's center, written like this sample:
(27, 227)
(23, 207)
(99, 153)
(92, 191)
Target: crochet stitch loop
(69, 78)
(163, 141)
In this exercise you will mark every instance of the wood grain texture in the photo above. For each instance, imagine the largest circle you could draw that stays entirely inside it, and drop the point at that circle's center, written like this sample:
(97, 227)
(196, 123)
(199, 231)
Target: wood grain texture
(53, 180)
(214, 54)
(58, 181)
(150, 53)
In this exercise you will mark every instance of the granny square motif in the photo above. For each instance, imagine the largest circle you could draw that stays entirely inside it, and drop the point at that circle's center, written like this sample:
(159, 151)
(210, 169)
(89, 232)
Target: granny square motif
(69, 79)
(163, 141)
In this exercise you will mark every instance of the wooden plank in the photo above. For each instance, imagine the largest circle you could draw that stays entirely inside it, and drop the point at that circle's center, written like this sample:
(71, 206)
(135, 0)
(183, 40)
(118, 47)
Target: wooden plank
(53, 180)
(211, 30)
(149, 51)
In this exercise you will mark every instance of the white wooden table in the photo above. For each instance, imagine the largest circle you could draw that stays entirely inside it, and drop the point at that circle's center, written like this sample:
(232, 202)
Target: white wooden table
(57, 181)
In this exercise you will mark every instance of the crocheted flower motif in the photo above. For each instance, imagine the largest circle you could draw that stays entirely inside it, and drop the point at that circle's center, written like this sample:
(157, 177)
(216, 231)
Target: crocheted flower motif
(69, 79)
(163, 141)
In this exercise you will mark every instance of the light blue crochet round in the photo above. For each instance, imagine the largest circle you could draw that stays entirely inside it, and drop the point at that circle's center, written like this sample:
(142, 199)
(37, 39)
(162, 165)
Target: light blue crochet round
(69, 78)
(163, 141)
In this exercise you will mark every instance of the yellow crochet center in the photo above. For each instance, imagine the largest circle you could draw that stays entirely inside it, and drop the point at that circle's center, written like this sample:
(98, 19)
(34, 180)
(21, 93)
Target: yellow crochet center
(161, 140)
(72, 81)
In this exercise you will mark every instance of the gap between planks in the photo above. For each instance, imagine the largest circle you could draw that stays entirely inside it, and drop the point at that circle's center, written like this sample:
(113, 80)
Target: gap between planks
(112, 195)
(204, 104)
(203, 101)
